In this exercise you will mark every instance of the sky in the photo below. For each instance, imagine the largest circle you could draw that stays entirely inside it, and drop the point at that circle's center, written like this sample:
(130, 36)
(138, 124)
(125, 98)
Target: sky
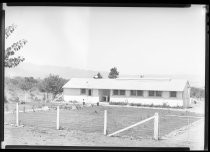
(135, 40)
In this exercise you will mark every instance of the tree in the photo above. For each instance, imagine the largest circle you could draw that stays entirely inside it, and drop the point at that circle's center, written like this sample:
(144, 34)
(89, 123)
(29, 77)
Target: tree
(113, 74)
(98, 76)
(52, 84)
(197, 92)
(27, 84)
(10, 60)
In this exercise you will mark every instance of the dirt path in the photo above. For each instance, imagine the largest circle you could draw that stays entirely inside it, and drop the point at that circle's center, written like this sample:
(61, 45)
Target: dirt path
(191, 136)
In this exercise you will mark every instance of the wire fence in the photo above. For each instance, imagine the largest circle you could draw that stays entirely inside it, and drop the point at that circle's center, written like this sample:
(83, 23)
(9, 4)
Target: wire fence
(90, 119)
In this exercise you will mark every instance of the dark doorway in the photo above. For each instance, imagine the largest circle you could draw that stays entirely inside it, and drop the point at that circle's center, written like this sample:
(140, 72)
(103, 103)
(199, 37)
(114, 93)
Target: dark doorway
(104, 95)
(89, 92)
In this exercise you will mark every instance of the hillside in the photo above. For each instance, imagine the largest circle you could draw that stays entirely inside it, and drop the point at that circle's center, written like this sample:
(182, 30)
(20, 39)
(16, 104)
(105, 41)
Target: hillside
(42, 71)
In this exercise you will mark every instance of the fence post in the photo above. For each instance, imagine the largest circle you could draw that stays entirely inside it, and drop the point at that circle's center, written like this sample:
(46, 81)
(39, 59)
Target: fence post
(156, 127)
(105, 122)
(57, 126)
(17, 114)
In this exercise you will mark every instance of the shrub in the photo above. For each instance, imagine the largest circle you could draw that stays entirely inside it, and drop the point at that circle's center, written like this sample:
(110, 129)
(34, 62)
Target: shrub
(39, 106)
(151, 105)
(165, 105)
(17, 99)
(74, 101)
(117, 103)
(135, 104)
(22, 102)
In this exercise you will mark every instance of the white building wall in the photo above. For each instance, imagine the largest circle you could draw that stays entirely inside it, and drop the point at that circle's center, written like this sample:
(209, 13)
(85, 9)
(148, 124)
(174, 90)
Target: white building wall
(146, 100)
(165, 94)
(179, 95)
(145, 93)
(74, 95)
(95, 92)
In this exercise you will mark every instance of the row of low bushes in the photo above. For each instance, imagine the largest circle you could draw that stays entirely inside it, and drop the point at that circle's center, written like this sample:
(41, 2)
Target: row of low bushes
(143, 105)
(118, 103)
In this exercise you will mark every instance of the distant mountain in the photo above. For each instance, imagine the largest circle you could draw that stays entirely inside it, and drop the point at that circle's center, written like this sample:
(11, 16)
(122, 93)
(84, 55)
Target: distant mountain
(42, 71)
(194, 80)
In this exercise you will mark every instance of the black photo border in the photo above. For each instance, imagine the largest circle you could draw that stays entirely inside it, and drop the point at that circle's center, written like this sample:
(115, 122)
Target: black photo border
(105, 4)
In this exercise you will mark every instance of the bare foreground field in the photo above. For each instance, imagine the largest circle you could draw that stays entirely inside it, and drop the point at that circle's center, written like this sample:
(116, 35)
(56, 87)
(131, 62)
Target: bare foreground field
(85, 128)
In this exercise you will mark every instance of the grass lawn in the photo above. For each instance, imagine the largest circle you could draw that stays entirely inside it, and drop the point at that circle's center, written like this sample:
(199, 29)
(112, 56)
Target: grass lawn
(90, 119)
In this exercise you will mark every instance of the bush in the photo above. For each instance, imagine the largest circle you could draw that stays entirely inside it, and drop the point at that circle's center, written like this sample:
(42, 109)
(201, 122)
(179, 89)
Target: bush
(22, 102)
(74, 101)
(135, 104)
(118, 103)
(165, 105)
(16, 99)
(151, 105)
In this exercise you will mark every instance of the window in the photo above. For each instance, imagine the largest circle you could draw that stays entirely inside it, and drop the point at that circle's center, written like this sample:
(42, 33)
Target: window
(122, 92)
(115, 92)
(151, 93)
(158, 93)
(119, 92)
(173, 94)
(83, 91)
(133, 92)
(139, 93)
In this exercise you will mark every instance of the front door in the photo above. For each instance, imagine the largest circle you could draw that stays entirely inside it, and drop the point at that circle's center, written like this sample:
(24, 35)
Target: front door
(104, 95)
(89, 92)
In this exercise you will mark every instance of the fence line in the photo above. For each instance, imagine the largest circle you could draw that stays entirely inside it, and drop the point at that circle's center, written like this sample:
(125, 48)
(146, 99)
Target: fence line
(28, 110)
(156, 126)
(182, 116)
(58, 121)
(17, 114)
(141, 122)
(105, 122)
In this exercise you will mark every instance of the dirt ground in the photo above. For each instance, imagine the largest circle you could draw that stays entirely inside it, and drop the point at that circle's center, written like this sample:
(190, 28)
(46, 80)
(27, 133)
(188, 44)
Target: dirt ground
(191, 136)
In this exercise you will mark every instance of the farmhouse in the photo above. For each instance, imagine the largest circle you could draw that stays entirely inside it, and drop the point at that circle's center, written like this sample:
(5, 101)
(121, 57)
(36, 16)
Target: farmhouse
(145, 91)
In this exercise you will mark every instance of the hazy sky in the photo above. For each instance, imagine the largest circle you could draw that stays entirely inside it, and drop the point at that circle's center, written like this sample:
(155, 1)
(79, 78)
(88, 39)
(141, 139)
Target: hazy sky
(135, 40)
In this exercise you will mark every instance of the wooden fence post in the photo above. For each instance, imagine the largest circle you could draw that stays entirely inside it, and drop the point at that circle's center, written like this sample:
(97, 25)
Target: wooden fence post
(57, 125)
(156, 127)
(17, 114)
(105, 122)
